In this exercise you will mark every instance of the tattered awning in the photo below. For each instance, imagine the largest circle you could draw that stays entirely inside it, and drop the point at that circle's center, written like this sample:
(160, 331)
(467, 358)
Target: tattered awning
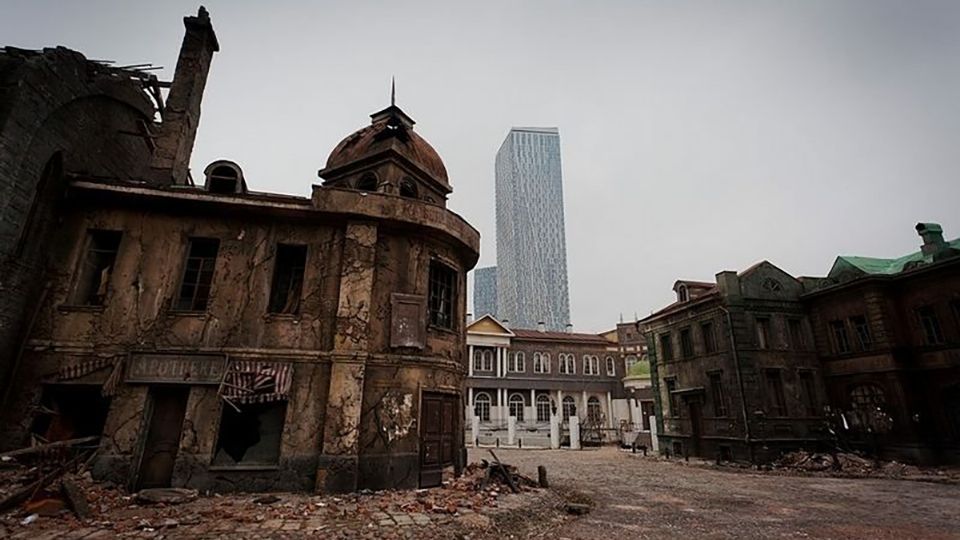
(248, 381)
(77, 369)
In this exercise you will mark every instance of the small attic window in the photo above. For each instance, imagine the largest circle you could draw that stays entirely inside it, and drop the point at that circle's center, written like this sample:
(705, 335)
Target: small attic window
(368, 183)
(408, 189)
(224, 177)
(682, 294)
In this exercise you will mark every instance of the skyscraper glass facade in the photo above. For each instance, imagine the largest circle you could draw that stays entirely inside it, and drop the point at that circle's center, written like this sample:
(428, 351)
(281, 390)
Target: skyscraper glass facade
(485, 291)
(531, 245)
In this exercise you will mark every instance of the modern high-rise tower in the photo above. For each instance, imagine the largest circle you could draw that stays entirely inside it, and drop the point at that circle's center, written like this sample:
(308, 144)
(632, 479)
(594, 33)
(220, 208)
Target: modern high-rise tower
(531, 245)
(485, 291)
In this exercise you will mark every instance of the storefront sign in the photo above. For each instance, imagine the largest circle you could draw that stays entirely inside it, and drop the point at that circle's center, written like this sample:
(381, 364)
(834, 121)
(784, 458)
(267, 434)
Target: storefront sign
(175, 369)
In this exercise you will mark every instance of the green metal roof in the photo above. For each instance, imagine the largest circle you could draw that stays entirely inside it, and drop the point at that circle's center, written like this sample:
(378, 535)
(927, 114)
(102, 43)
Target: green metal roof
(872, 265)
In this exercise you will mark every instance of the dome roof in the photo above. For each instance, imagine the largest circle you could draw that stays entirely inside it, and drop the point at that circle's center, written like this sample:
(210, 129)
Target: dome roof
(391, 129)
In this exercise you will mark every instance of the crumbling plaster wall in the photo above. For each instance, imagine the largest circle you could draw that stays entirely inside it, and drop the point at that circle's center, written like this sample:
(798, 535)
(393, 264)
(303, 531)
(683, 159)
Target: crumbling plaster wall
(54, 102)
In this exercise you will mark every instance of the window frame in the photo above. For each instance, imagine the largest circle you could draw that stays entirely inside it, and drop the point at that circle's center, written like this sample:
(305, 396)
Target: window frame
(209, 285)
(718, 394)
(709, 335)
(763, 332)
(666, 346)
(294, 278)
(594, 410)
(440, 318)
(686, 343)
(511, 402)
(82, 278)
(931, 317)
(545, 401)
(611, 366)
(482, 399)
(776, 394)
(569, 406)
(861, 329)
(839, 336)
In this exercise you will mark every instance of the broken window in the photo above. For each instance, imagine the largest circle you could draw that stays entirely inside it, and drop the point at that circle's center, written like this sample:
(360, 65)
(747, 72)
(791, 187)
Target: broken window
(862, 329)
(408, 188)
(666, 347)
(867, 398)
(441, 300)
(70, 411)
(543, 408)
(840, 342)
(368, 183)
(686, 343)
(709, 338)
(569, 408)
(809, 392)
(223, 179)
(250, 434)
(719, 398)
(594, 414)
(198, 274)
(932, 333)
(96, 267)
(516, 405)
(797, 341)
(287, 284)
(481, 406)
(776, 399)
(763, 333)
(672, 397)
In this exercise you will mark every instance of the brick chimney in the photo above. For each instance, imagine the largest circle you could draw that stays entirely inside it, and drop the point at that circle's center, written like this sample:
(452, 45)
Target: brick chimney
(932, 234)
(181, 115)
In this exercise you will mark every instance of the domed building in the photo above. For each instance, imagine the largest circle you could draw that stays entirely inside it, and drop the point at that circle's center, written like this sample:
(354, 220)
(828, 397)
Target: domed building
(219, 338)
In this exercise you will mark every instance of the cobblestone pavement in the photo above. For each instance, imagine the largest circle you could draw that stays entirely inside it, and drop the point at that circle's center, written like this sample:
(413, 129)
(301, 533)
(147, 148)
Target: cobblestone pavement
(637, 497)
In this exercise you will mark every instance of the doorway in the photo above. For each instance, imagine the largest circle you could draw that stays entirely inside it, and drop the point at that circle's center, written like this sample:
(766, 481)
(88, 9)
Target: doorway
(438, 440)
(696, 421)
(168, 405)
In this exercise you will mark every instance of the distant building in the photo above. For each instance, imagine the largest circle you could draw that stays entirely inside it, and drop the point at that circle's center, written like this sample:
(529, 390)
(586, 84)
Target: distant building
(531, 246)
(533, 374)
(734, 371)
(867, 357)
(485, 291)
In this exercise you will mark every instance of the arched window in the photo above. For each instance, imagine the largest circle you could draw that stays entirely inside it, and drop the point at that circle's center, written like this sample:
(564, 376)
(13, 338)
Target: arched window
(368, 182)
(487, 360)
(478, 360)
(481, 406)
(586, 364)
(568, 365)
(569, 408)
(611, 367)
(408, 189)
(543, 408)
(594, 414)
(546, 362)
(682, 294)
(516, 405)
(631, 360)
(519, 362)
(867, 397)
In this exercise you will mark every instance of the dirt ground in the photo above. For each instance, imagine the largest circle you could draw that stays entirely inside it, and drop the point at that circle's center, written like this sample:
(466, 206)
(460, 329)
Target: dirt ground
(638, 497)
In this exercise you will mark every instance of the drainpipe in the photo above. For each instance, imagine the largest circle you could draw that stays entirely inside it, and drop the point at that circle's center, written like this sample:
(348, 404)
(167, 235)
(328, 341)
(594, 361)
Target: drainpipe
(748, 438)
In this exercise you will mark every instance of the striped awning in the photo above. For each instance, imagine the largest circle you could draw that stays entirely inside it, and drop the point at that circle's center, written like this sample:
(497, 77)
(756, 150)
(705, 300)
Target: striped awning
(249, 381)
(77, 369)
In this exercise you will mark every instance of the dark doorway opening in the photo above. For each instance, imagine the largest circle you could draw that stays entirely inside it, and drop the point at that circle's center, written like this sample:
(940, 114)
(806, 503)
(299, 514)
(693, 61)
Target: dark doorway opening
(71, 411)
(696, 427)
(168, 406)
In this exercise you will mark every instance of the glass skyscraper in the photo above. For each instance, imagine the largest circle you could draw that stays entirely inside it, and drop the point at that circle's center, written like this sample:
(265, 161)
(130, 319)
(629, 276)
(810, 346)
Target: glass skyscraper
(485, 291)
(531, 245)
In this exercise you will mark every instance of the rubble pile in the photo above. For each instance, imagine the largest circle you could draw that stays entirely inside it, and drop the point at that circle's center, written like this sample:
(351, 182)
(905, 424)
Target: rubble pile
(850, 464)
(111, 508)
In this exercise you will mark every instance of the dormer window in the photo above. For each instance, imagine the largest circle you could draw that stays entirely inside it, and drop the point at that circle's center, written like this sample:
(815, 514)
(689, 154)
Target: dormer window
(224, 177)
(367, 182)
(682, 293)
(408, 189)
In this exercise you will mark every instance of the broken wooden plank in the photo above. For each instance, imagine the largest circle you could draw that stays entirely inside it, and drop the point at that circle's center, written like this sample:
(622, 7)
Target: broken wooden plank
(506, 474)
(75, 498)
(48, 446)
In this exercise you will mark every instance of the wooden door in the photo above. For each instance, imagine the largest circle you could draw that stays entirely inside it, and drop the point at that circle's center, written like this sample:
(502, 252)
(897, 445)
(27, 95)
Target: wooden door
(169, 405)
(438, 440)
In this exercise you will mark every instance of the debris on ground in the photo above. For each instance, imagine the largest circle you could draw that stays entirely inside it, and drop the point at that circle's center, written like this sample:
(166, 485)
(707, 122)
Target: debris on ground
(851, 464)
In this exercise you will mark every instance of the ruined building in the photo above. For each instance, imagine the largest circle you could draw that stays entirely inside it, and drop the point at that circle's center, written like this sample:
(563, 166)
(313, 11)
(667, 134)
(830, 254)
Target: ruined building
(217, 337)
(867, 357)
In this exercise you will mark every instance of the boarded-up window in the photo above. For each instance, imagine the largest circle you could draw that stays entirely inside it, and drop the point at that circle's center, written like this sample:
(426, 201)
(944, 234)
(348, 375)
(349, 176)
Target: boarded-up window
(407, 324)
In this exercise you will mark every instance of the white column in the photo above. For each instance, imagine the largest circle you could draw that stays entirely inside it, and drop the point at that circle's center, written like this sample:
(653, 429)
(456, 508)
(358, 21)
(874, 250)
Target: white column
(470, 402)
(574, 433)
(511, 430)
(504, 412)
(499, 374)
(582, 410)
(554, 431)
(609, 410)
(654, 441)
(533, 407)
(470, 360)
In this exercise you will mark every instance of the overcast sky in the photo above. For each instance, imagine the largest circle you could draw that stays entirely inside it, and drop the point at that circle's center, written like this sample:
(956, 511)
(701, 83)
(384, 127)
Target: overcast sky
(696, 136)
